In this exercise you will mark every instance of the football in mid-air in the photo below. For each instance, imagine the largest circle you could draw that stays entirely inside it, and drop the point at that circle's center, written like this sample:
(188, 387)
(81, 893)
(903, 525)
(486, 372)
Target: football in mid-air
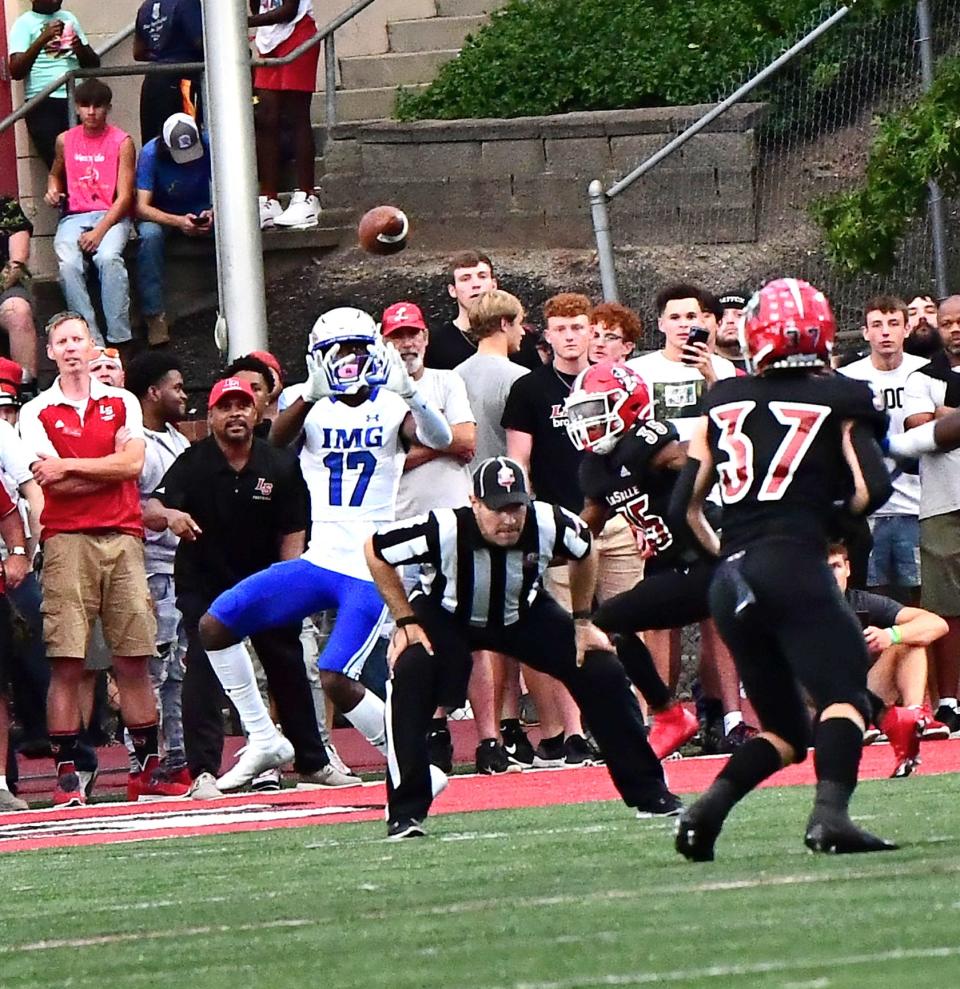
(383, 230)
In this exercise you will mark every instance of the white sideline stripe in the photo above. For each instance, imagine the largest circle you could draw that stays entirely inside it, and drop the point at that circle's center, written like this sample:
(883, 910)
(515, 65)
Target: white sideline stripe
(729, 971)
(86, 942)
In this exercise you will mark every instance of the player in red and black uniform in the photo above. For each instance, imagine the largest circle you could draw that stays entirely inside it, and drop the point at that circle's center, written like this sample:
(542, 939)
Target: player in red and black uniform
(631, 466)
(789, 447)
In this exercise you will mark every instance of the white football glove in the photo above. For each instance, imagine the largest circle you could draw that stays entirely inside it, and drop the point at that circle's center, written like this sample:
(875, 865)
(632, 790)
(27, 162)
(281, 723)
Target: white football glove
(318, 384)
(396, 377)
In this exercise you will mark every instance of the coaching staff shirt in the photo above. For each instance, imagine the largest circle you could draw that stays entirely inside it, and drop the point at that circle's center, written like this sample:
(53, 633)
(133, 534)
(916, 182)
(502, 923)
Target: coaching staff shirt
(535, 405)
(242, 515)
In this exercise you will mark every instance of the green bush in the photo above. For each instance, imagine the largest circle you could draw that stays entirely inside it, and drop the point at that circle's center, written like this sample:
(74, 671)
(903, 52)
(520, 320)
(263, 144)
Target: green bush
(863, 227)
(553, 56)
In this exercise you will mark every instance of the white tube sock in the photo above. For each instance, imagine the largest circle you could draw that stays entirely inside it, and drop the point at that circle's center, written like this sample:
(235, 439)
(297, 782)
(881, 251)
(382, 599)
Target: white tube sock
(234, 670)
(368, 718)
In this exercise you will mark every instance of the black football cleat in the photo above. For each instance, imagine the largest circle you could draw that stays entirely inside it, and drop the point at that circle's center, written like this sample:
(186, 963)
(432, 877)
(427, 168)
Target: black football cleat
(696, 837)
(659, 803)
(409, 828)
(840, 836)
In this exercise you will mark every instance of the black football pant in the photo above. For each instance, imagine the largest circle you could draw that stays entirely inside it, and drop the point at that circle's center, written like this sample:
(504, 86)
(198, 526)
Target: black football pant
(543, 639)
(281, 654)
(780, 611)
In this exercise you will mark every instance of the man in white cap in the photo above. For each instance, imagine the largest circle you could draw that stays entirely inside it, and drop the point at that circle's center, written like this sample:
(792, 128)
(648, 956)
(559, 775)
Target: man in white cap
(173, 193)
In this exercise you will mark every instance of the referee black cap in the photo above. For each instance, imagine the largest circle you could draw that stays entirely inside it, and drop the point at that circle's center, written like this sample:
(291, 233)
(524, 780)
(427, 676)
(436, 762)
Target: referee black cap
(500, 481)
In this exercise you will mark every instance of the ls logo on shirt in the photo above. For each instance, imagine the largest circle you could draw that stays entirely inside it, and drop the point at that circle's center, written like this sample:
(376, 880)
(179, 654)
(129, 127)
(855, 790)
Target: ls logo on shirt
(263, 489)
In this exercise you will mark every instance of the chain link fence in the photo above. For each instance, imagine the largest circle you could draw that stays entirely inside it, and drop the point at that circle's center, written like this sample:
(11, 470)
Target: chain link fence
(812, 140)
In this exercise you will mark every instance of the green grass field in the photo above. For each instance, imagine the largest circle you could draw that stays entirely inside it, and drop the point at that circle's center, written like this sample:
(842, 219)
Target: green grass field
(551, 898)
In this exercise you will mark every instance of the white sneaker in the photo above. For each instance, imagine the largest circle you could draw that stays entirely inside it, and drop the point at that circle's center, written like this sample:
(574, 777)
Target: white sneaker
(269, 781)
(338, 764)
(9, 802)
(303, 212)
(254, 760)
(270, 209)
(327, 777)
(204, 787)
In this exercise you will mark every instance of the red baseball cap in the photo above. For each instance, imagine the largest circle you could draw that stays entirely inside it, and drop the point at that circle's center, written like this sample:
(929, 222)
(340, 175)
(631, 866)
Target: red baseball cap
(11, 376)
(270, 361)
(230, 386)
(400, 315)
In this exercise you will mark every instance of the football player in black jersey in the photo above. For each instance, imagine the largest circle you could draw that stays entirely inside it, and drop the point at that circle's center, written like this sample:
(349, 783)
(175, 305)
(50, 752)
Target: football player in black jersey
(631, 465)
(789, 447)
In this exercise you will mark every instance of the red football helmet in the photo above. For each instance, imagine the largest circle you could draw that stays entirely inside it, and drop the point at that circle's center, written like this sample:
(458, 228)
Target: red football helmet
(788, 323)
(605, 401)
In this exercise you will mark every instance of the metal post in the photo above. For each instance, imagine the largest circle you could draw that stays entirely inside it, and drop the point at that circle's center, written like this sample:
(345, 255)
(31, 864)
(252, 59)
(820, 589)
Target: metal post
(330, 85)
(601, 230)
(938, 224)
(72, 118)
(230, 120)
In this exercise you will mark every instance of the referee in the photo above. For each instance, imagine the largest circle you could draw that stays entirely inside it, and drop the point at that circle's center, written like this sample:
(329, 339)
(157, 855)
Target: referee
(480, 588)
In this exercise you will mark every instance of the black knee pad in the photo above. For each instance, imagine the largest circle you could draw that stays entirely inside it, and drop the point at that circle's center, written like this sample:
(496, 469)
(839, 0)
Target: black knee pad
(412, 662)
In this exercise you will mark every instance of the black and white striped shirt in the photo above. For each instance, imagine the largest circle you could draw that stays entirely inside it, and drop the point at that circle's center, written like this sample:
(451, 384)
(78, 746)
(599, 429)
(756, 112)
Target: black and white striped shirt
(485, 585)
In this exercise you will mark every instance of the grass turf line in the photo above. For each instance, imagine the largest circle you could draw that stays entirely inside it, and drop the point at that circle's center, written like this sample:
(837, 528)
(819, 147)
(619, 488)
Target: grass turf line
(548, 898)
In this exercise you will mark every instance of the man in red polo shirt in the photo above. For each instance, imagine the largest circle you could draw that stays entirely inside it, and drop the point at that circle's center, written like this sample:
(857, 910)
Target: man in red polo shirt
(87, 438)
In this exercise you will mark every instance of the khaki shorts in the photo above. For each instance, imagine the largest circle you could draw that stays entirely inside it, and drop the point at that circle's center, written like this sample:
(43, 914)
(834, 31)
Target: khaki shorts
(619, 566)
(87, 575)
(940, 564)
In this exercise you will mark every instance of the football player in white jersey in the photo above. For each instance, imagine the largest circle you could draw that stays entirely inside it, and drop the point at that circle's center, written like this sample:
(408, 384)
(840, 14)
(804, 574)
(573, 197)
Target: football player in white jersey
(353, 415)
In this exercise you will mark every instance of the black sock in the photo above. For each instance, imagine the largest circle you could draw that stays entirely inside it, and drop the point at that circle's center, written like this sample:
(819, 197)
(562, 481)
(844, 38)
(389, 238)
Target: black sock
(838, 743)
(749, 766)
(438, 724)
(510, 728)
(639, 666)
(64, 748)
(146, 742)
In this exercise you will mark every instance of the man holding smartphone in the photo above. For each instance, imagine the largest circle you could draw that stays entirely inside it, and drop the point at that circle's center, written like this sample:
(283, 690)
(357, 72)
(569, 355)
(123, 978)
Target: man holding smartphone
(686, 367)
(173, 193)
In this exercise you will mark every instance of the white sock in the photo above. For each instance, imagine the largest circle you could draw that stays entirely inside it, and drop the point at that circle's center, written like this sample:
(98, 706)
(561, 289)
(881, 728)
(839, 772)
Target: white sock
(234, 670)
(950, 702)
(915, 442)
(731, 720)
(368, 718)
(131, 752)
(3, 783)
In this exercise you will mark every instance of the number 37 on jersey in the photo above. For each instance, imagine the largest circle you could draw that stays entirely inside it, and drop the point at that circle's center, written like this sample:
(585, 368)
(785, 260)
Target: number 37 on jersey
(746, 469)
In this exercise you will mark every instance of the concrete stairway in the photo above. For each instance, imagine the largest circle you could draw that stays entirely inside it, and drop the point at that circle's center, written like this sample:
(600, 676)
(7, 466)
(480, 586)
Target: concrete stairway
(417, 49)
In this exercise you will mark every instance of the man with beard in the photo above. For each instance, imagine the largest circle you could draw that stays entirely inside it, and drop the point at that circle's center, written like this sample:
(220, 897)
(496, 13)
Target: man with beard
(728, 330)
(932, 392)
(923, 339)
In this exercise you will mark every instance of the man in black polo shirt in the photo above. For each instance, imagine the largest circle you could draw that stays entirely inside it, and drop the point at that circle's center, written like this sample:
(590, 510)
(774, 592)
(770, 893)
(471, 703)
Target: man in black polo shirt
(480, 589)
(239, 505)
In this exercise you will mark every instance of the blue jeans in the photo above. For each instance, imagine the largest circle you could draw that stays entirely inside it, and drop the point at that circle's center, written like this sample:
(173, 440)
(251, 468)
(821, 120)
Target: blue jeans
(108, 259)
(150, 267)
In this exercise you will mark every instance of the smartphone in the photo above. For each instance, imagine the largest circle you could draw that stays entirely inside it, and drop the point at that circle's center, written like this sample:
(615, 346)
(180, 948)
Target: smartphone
(698, 334)
(200, 221)
(864, 618)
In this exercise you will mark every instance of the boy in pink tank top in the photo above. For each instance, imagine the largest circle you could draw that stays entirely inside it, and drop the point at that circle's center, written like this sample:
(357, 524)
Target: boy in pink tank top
(92, 182)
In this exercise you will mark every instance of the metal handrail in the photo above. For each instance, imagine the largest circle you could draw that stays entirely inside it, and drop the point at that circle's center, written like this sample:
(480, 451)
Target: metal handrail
(324, 34)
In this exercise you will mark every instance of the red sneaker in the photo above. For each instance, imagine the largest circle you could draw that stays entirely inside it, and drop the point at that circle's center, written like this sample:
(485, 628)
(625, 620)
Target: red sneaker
(903, 726)
(181, 775)
(154, 781)
(671, 729)
(931, 727)
(68, 791)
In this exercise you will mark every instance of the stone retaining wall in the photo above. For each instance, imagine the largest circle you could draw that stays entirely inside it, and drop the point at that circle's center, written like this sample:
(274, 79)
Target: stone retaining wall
(523, 182)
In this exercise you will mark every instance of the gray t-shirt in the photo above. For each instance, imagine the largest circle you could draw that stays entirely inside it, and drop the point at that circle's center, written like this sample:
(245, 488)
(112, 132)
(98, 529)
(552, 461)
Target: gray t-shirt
(162, 449)
(488, 378)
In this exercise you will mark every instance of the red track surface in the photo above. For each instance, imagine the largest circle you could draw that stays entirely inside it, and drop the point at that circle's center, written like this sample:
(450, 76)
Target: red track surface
(112, 822)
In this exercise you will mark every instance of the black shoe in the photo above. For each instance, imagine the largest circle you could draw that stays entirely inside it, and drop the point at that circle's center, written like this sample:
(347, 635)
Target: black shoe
(949, 717)
(491, 758)
(696, 836)
(440, 747)
(838, 835)
(516, 744)
(577, 751)
(410, 828)
(737, 736)
(549, 753)
(660, 803)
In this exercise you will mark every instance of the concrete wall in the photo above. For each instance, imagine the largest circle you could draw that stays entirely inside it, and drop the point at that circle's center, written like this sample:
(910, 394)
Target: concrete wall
(523, 182)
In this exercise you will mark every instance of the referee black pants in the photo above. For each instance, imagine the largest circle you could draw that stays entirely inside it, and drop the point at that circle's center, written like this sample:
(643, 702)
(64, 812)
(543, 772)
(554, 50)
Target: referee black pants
(281, 654)
(544, 639)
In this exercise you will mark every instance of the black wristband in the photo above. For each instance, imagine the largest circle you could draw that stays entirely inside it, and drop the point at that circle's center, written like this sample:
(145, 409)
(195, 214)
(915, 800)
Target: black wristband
(580, 615)
(407, 620)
